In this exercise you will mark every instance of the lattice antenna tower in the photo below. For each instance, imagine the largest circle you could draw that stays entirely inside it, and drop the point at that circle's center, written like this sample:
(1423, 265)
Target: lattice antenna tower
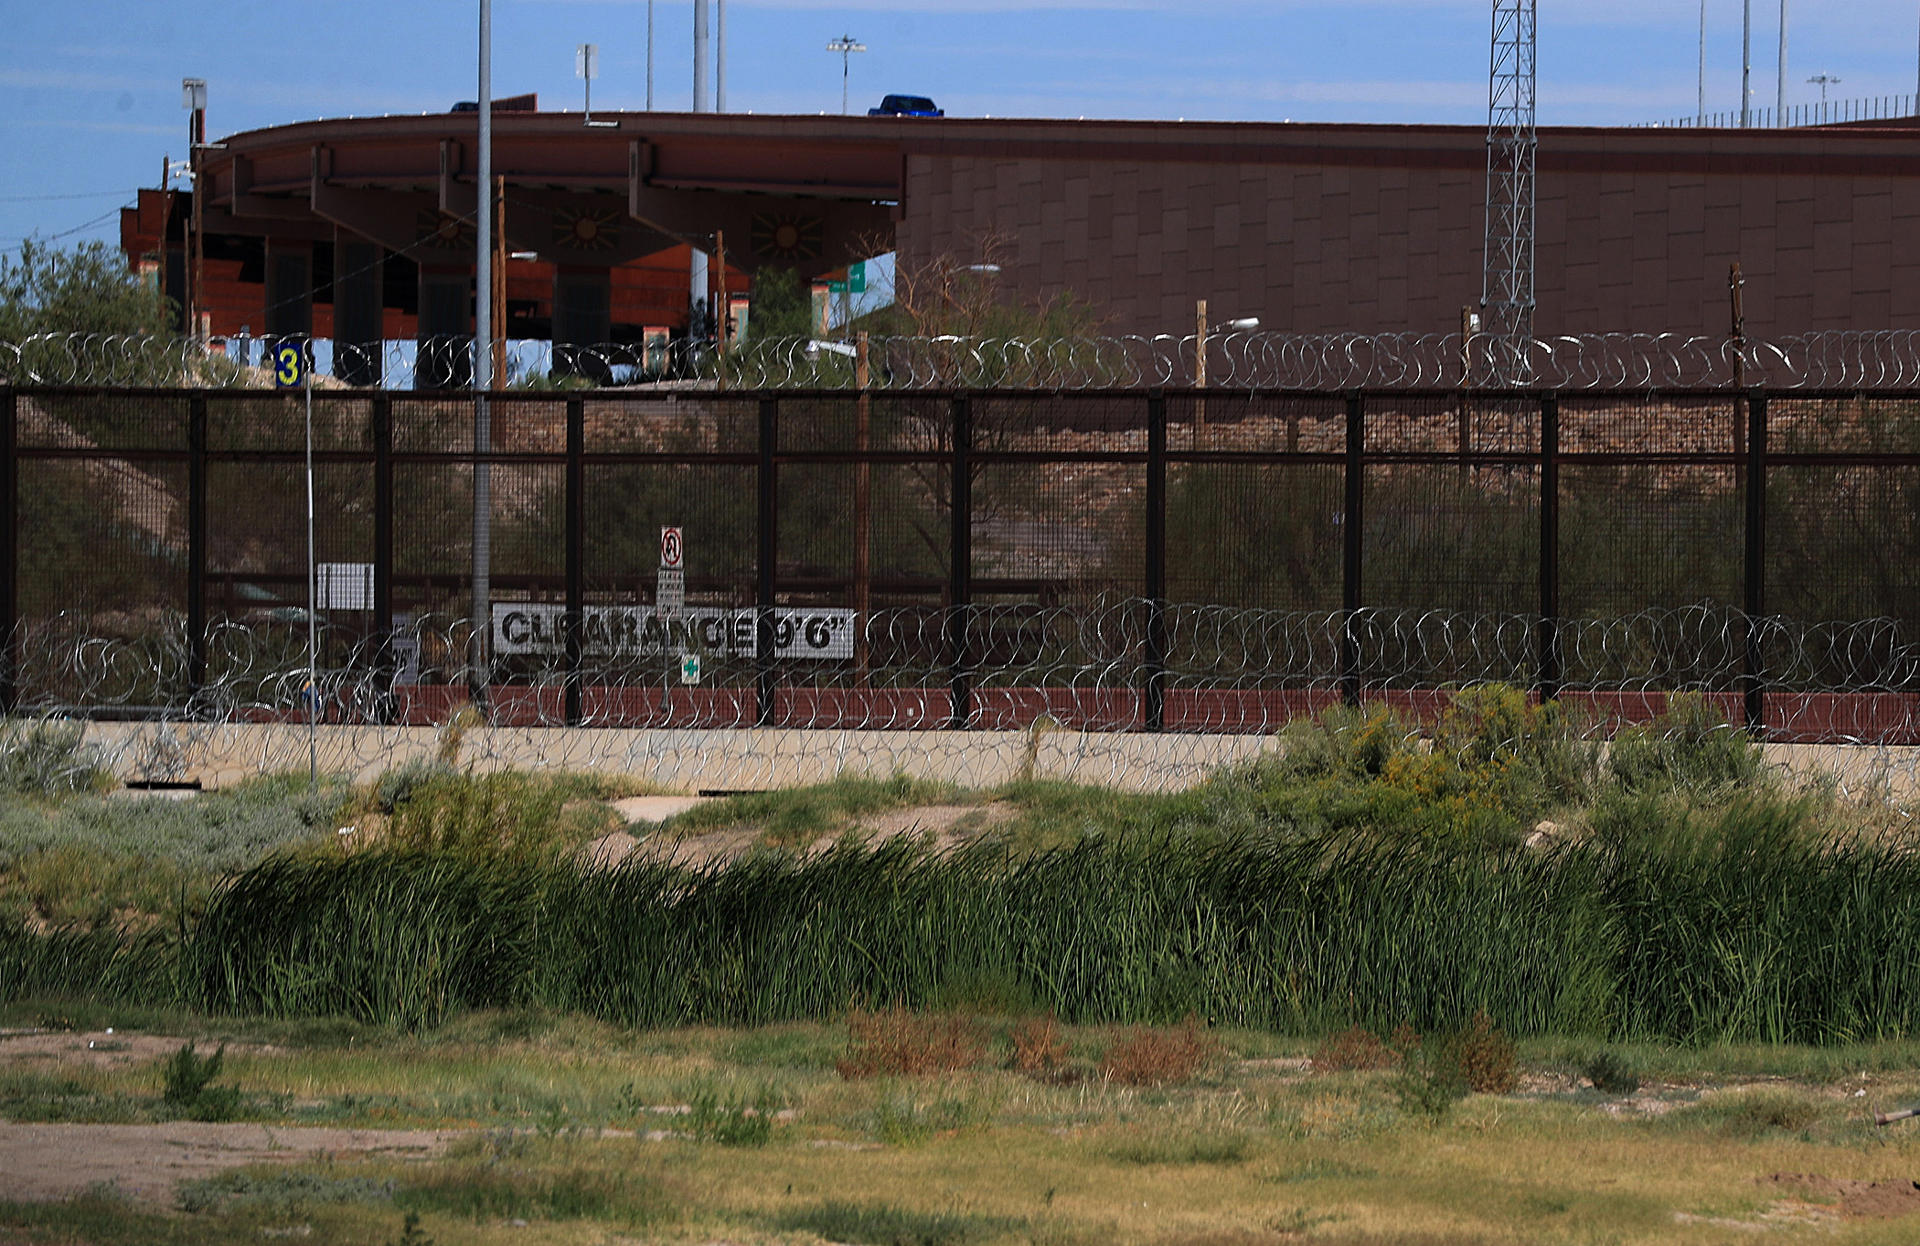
(1506, 291)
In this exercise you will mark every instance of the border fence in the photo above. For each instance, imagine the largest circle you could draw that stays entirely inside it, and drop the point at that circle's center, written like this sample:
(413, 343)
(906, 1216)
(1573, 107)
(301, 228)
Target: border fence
(1175, 562)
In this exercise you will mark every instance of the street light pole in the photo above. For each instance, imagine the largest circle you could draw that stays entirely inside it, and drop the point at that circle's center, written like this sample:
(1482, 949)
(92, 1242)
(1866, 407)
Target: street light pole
(846, 46)
(1700, 117)
(1780, 96)
(481, 622)
(1746, 64)
(194, 96)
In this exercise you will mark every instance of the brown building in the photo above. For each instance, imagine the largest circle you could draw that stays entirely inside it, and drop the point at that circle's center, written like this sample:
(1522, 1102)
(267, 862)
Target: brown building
(362, 228)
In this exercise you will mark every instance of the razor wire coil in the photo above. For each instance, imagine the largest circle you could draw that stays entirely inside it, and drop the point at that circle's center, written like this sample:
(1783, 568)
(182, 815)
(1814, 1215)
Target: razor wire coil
(1236, 360)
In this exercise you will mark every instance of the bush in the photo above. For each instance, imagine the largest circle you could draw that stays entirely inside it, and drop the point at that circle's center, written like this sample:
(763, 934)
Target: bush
(1691, 746)
(895, 1042)
(397, 786)
(1611, 1075)
(1154, 1057)
(734, 1122)
(1494, 764)
(1436, 1074)
(1486, 1056)
(1347, 742)
(510, 815)
(1430, 1082)
(48, 757)
(188, 1086)
(1352, 1049)
(1038, 1050)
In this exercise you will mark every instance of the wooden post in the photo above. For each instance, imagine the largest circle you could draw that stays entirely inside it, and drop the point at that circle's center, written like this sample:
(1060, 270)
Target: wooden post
(720, 308)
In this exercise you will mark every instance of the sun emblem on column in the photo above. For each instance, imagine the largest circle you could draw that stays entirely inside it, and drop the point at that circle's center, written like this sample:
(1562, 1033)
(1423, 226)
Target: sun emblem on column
(443, 230)
(586, 229)
(786, 237)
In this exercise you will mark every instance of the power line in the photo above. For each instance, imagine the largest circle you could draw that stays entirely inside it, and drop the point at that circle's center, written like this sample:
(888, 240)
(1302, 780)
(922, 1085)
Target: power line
(15, 243)
(93, 194)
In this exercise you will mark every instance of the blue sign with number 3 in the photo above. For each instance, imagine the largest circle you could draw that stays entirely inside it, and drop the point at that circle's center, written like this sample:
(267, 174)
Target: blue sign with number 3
(289, 365)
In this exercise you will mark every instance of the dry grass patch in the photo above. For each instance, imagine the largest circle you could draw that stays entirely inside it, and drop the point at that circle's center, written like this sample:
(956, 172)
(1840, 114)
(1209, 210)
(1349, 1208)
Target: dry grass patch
(1160, 1057)
(895, 1042)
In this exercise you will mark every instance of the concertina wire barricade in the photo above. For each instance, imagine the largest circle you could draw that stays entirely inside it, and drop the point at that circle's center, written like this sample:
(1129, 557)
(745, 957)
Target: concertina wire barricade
(1085, 571)
(1837, 359)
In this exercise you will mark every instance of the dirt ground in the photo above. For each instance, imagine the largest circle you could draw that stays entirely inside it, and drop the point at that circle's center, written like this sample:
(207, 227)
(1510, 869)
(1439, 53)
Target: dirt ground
(46, 1162)
(53, 1161)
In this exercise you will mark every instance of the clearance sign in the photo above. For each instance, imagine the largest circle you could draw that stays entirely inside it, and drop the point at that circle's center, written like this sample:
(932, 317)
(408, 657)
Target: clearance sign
(799, 632)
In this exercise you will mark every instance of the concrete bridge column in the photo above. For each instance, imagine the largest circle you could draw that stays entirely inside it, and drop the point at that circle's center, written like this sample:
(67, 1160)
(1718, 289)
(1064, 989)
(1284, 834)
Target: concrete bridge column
(445, 336)
(358, 320)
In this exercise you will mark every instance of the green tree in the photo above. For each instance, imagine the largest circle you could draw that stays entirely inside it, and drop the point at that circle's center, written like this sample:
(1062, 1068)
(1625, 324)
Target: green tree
(85, 289)
(782, 305)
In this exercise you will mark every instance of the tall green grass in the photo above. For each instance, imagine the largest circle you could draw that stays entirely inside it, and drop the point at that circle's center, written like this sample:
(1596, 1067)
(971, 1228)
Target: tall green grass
(1370, 877)
(1745, 930)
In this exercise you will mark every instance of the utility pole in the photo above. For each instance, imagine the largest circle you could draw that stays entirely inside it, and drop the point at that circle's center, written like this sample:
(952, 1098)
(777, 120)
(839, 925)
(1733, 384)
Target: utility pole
(650, 54)
(1507, 286)
(846, 46)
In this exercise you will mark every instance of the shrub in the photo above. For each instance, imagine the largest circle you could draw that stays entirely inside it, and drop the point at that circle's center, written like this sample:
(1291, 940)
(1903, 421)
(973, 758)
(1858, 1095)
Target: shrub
(1513, 755)
(48, 757)
(1347, 742)
(398, 786)
(734, 1122)
(1353, 1049)
(1158, 1057)
(510, 815)
(1691, 746)
(1429, 1082)
(895, 1042)
(1038, 1050)
(1611, 1075)
(188, 1085)
(1485, 1055)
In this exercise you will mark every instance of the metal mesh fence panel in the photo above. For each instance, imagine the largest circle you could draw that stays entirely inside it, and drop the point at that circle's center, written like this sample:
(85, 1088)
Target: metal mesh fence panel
(1067, 611)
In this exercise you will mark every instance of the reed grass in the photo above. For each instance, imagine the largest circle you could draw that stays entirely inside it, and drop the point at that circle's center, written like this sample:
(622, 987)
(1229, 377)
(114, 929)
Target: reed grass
(1746, 932)
(1269, 899)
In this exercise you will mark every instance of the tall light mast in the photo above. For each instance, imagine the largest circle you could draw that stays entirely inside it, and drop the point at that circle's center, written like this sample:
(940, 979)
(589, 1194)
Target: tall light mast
(1506, 291)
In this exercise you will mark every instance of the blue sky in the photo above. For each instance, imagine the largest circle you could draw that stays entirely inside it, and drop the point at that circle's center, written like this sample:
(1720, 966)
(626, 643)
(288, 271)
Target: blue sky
(90, 91)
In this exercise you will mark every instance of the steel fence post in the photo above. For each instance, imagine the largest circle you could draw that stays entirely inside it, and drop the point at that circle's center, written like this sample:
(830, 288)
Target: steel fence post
(9, 549)
(1155, 691)
(575, 554)
(960, 565)
(196, 545)
(1753, 675)
(381, 417)
(1549, 627)
(1350, 563)
(767, 523)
